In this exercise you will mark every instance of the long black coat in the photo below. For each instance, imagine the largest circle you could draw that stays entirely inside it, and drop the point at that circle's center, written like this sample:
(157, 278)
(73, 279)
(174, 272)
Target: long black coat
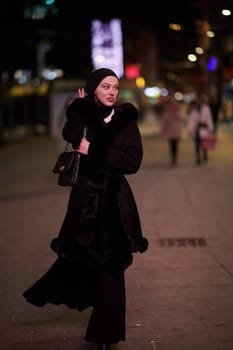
(102, 223)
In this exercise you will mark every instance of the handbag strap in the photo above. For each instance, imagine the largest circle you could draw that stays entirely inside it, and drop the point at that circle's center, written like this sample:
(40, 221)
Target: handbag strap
(85, 131)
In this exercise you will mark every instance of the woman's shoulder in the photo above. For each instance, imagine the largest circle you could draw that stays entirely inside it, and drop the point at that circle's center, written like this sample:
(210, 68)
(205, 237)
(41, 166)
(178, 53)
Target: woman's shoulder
(128, 109)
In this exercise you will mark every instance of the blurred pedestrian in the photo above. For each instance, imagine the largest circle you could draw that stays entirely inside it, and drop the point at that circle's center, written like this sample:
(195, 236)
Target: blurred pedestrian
(171, 127)
(101, 229)
(200, 125)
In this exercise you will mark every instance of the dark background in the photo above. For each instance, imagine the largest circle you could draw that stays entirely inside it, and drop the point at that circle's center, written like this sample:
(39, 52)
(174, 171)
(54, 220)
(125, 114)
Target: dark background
(69, 31)
(148, 42)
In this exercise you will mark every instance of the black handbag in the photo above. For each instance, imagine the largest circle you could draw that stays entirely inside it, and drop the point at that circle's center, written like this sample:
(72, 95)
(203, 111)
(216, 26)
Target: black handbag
(67, 167)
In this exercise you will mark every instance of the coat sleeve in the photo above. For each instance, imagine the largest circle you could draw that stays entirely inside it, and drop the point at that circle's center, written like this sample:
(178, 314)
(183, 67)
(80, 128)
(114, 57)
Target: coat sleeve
(76, 119)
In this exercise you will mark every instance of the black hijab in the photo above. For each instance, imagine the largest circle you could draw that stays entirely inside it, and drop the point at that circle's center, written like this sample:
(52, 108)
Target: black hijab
(93, 81)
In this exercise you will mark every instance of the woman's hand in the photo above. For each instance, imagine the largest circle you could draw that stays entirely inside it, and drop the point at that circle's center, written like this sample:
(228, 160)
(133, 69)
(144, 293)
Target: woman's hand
(83, 146)
(81, 92)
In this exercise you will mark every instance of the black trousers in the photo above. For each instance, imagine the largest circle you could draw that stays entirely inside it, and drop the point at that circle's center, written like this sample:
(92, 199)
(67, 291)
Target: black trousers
(201, 154)
(78, 288)
(173, 149)
(107, 321)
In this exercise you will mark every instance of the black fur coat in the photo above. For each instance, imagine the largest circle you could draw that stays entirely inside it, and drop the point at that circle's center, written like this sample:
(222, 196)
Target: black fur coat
(102, 224)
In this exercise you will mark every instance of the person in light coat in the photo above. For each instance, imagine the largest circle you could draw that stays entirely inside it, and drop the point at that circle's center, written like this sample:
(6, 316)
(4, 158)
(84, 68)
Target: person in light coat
(200, 124)
(171, 127)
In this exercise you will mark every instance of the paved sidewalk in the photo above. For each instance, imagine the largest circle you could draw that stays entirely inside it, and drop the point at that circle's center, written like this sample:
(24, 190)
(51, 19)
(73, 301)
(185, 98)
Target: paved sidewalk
(179, 293)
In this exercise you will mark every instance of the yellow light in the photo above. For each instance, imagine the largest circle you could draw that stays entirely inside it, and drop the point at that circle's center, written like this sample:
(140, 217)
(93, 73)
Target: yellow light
(28, 90)
(175, 26)
(140, 82)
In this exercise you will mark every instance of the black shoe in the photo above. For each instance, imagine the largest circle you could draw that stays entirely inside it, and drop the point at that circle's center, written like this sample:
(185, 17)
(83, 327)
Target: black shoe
(104, 347)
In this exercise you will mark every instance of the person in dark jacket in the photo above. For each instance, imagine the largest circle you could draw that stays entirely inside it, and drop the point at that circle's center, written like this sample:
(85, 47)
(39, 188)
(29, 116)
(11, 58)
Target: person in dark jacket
(101, 229)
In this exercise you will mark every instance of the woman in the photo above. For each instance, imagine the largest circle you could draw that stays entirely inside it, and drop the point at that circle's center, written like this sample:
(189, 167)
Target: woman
(200, 125)
(171, 127)
(101, 228)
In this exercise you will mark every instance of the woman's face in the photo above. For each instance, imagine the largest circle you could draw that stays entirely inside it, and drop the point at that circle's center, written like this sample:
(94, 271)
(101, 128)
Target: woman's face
(107, 91)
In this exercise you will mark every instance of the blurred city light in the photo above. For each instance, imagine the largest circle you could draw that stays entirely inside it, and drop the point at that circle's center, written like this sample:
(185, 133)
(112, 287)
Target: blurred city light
(40, 10)
(49, 2)
(199, 50)
(164, 92)
(140, 82)
(152, 92)
(178, 96)
(210, 34)
(212, 64)
(192, 57)
(132, 71)
(22, 76)
(51, 73)
(106, 45)
(226, 12)
(175, 26)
